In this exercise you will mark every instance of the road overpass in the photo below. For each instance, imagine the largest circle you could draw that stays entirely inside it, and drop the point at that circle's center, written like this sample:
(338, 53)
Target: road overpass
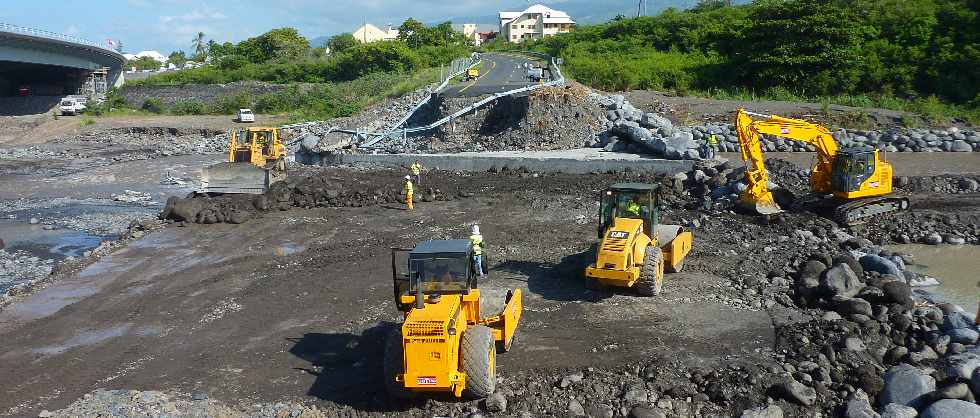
(46, 66)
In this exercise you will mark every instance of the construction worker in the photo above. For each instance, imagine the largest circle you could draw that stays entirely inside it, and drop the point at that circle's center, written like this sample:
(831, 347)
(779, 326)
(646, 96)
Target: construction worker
(633, 208)
(712, 147)
(416, 169)
(409, 192)
(476, 239)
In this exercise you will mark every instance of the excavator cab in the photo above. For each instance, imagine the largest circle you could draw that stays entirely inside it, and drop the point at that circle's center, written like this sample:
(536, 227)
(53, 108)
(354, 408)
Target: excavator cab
(852, 167)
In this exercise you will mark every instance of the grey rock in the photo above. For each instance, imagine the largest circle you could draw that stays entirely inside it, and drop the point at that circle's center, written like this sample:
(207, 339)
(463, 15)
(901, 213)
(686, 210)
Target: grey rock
(951, 408)
(934, 239)
(894, 354)
(794, 391)
(571, 379)
(960, 146)
(34, 221)
(897, 292)
(923, 355)
(962, 365)
(496, 402)
(956, 319)
(771, 411)
(840, 280)
(881, 265)
(859, 406)
(635, 396)
(575, 408)
(849, 306)
(963, 335)
(905, 385)
(647, 412)
(951, 391)
(955, 240)
(854, 344)
(894, 410)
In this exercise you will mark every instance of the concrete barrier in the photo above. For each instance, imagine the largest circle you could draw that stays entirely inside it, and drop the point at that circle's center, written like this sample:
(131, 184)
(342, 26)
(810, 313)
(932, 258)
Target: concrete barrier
(579, 161)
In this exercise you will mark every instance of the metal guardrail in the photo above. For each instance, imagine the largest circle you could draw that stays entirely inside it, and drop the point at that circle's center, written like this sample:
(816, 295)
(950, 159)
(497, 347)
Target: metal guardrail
(557, 79)
(6, 27)
(395, 133)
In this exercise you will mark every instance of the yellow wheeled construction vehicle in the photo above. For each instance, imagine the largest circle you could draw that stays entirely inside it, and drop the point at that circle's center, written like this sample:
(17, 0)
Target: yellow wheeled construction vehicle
(256, 160)
(858, 179)
(443, 345)
(472, 73)
(635, 249)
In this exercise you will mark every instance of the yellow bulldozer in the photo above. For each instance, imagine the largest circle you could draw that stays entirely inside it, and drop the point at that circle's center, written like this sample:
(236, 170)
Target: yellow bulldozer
(256, 160)
(444, 345)
(858, 179)
(634, 248)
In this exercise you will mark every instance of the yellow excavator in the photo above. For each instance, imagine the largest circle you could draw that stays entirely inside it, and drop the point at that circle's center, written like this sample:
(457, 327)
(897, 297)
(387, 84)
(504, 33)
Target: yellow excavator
(256, 160)
(635, 249)
(444, 345)
(858, 179)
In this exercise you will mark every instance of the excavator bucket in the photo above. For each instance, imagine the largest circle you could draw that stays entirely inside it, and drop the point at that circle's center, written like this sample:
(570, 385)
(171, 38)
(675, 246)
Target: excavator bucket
(763, 205)
(675, 243)
(505, 324)
(235, 178)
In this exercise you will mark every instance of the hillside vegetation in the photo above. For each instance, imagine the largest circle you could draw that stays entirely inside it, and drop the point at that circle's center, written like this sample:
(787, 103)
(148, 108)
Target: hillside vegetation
(348, 78)
(917, 55)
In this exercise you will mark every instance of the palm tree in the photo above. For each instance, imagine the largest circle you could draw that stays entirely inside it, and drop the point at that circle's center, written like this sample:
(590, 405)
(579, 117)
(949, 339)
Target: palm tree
(198, 43)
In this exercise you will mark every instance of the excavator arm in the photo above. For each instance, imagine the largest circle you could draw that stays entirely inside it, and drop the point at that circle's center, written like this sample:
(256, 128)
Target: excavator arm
(758, 196)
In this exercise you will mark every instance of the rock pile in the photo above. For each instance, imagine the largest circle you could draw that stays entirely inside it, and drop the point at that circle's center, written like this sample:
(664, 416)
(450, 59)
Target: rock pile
(164, 141)
(907, 140)
(20, 267)
(630, 130)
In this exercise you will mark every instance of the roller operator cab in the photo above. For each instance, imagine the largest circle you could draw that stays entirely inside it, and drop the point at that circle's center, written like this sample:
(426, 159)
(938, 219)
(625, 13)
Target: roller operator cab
(444, 345)
(634, 248)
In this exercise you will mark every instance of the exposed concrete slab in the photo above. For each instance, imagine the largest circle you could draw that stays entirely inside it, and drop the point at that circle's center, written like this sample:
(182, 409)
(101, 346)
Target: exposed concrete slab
(578, 161)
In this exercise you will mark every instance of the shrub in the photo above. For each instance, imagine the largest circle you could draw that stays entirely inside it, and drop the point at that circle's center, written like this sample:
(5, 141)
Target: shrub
(152, 105)
(189, 107)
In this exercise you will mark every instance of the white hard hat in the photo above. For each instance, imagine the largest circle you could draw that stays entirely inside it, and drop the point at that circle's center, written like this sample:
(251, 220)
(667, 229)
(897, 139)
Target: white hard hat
(475, 229)
(408, 177)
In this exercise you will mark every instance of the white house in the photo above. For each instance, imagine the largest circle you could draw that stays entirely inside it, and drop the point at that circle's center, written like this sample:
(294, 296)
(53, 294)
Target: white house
(535, 22)
(370, 33)
(158, 57)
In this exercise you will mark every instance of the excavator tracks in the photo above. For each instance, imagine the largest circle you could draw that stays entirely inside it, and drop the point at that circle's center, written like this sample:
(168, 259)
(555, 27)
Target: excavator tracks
(859, 211)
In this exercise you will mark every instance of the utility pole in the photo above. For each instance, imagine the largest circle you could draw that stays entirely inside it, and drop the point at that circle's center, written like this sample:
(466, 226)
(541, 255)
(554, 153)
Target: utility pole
(641, 8)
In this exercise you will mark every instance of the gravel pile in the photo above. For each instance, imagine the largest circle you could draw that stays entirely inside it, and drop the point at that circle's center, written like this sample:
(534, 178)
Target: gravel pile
(21, 267)
(165, 141)
(134, 403)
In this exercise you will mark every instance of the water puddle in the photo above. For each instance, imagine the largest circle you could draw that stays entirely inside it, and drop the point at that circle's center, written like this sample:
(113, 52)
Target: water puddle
(956, 266)
(56, 244)
(85, 338)
(288, 248)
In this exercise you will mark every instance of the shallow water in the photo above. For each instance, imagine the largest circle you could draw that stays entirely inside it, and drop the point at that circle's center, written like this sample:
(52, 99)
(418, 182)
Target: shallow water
(56, 244)
(956, 266)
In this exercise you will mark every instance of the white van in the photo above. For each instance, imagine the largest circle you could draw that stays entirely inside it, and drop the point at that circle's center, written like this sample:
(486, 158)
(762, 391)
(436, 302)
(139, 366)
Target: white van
(71, 106)
(245, 115)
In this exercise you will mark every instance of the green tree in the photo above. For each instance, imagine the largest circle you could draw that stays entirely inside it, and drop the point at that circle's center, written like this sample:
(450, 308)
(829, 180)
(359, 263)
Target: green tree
(144, 63)
(412, 32)
(279, 44)
(177, 58)
(200, 47)
(340, 43)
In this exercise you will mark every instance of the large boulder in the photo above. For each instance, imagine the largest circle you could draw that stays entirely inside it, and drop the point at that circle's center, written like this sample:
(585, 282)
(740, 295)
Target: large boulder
(794, 391)
(960, 146)
(894, 410)
(897, 292)
(858, 406)
(840, 280)
(951, 408)
(962, 365)
(906, 385)
(678, 145)
(966, 336)
(881, 265)
(771, 411)
(851, 306)
(808, 279)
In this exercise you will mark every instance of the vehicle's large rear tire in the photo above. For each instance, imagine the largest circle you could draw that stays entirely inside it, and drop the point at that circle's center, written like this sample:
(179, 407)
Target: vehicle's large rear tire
(652, 274)
(394, 364)
(478, 352)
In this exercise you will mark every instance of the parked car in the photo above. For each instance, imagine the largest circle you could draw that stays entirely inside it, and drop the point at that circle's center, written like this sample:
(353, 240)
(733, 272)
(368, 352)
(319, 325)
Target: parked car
(535, 73)
(245, 116)
(72, 106)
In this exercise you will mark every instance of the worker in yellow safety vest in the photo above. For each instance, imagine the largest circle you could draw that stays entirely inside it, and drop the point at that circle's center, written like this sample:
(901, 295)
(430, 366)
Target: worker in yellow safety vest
(712, 146)
(409, 192)
(416, 169)
(476, 240)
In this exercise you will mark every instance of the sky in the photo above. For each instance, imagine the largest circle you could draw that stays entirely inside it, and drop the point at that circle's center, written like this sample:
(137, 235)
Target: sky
(170, 25)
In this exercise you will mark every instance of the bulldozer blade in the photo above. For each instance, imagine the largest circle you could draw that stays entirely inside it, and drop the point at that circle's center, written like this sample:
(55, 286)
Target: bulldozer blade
(765, 205)
(242, 178)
